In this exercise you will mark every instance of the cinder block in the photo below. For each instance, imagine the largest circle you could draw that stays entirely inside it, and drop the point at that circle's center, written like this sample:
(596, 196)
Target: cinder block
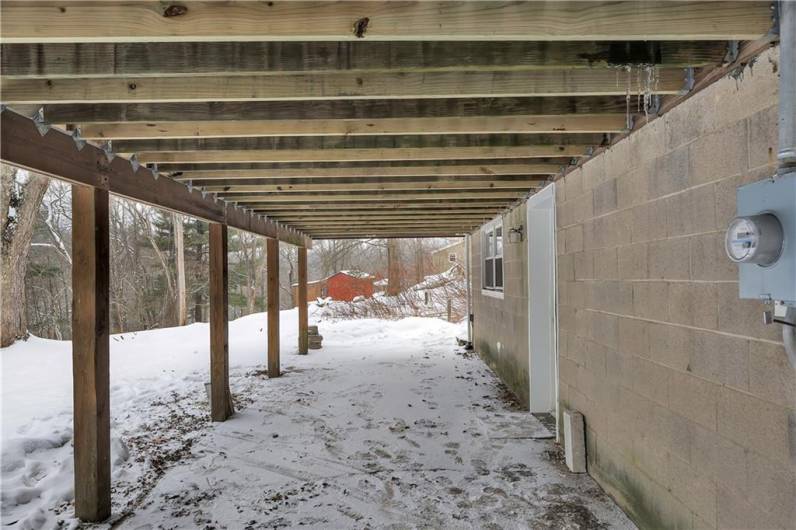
(574, 441)
(614, 296)
(573, 183)
(649, 300)
(593, 173)
(669, 173)
(650, 379)
(743, 317)
(693, 398)
(583, 265)
(771, 376)
(605, 330)
(631, 188)
(606, 264)
(582, 207)
(694, 304)
(709, 261)
(649, 221)
(669, 259)
(618, 160)
(772, 486)
(723, 153)
(618, 228)
(634, 337)
(723, 359)
(633, 262)
(605, 197)
(691, 212)
(671, 345)
(718, 457)
(574, 238)
(753, 423)
(763, 137)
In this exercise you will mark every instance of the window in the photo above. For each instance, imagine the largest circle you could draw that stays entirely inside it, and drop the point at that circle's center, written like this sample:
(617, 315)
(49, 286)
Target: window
(451, 257)
(492, 238)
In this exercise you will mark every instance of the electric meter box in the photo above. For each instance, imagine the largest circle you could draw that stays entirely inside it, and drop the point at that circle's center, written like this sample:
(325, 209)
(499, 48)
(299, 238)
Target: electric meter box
(775, 196)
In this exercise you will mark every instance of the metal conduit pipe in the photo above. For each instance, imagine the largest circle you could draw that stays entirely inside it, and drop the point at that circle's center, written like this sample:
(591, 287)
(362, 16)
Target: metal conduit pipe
(787, 87)
(786, 155)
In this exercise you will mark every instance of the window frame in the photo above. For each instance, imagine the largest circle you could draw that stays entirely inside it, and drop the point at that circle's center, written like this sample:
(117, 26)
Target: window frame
(492, 249)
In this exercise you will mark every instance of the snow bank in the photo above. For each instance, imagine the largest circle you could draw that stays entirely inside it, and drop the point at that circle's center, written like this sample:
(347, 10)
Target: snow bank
(36, 394)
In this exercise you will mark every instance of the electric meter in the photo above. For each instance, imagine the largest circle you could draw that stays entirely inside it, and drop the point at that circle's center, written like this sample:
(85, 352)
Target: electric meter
(754, 239)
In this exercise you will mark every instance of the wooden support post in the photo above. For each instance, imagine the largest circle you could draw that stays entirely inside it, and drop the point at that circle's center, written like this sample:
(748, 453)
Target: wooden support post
(221, 406)
(272, 266)
(303, 319)
(90, 352)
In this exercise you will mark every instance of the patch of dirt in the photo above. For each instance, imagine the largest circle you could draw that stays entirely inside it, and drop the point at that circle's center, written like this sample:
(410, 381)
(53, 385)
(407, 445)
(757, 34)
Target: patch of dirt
(569, 515)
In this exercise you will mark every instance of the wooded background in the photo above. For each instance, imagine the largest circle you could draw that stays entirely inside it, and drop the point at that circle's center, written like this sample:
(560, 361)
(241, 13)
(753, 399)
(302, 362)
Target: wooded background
(159, 266)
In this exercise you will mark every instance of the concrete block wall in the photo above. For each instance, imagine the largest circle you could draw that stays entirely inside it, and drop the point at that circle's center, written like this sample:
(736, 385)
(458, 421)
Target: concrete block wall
(689, 400)
(500, 328)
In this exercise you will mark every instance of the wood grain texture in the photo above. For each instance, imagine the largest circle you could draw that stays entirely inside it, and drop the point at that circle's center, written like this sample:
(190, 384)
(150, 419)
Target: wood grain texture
(221, 406)
(108, 21)
(91, 351)
(84, 113)
(272, 288)
(55, 154)
(226, 58)
(298, 87)
(354, 172)
(343, 155)
(563, 124)
(303, 317)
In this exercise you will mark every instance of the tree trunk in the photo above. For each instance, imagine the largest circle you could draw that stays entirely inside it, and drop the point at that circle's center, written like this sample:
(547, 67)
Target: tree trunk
(18, 211)
(179, 249)
(393, 268)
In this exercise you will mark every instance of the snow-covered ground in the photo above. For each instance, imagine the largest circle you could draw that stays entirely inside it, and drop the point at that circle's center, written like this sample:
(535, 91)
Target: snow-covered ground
(389, 425)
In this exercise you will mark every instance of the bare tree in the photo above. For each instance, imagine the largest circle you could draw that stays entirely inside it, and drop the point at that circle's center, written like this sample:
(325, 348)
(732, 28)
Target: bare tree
(21, 194)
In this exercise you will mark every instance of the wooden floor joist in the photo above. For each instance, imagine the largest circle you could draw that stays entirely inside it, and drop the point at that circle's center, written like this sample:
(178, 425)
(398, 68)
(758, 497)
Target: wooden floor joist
(562, 124)
(84, 113)
(429, 170)
(343, 155)
(319, 203)
(226, 58)
(411, 195)
(147, 21)
(304, 143)
(227, 190)
(298, 87)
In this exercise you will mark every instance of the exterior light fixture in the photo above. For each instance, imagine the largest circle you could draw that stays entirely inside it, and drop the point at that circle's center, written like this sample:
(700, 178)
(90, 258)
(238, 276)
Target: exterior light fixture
(515, 234)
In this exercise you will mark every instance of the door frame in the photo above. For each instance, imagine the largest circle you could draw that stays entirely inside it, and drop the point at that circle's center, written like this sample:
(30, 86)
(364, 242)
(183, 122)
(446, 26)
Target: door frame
(547, 399)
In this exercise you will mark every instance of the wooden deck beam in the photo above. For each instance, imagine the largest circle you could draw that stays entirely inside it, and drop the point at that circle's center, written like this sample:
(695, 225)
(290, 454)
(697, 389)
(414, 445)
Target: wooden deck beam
(57, 155)
(299, 87)
(149, 21)
(221, 406)
(127, 59)
(523, 124)
(91, 351)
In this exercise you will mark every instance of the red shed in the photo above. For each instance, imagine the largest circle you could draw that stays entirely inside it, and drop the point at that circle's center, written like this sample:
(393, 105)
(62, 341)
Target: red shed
(346, 285)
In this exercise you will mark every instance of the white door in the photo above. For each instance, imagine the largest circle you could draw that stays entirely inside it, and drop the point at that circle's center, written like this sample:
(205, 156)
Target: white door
(543, 351)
